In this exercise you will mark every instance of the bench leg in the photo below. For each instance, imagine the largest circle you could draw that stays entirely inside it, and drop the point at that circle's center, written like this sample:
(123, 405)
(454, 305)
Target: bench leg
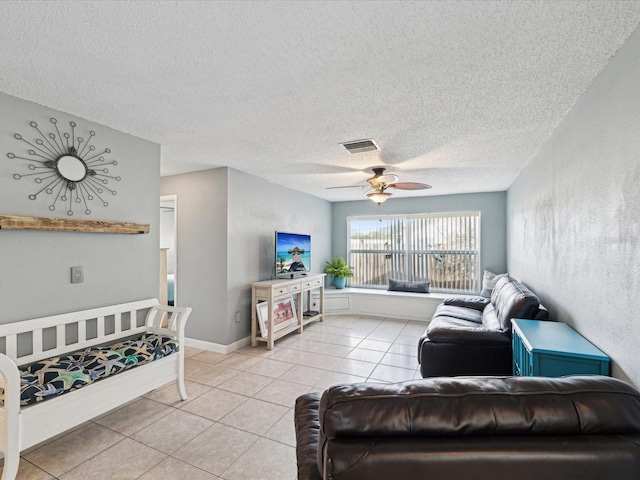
(10, 425)
(11, 462)
(180, 380)
(181, 388)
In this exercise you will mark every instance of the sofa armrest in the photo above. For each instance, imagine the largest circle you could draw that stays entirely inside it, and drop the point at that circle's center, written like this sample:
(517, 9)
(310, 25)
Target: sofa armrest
(469, 301)
(307, 428)
(543, 313)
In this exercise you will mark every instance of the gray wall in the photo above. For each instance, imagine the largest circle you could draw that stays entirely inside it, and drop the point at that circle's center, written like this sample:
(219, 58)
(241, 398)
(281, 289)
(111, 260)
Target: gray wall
(491, 205)
(256, 210)
(226, 225)
(574, 215)
(35, 265)
(201, 271)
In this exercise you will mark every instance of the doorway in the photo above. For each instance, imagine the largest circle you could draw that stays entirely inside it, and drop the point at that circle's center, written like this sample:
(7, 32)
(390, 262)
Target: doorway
(168, 247)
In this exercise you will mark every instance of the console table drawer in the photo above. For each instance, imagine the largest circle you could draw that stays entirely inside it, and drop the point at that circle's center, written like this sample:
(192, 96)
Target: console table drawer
(280, 290)
(313, 283)
(554, 349)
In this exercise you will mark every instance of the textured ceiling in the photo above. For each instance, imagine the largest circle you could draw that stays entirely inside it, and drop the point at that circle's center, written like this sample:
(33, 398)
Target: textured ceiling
(458, 94)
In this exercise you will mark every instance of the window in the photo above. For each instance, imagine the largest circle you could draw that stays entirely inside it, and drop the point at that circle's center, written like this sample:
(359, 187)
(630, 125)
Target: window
(443, 249)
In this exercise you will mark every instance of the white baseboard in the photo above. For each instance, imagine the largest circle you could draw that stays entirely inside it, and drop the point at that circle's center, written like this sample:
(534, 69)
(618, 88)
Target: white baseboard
(218, 347)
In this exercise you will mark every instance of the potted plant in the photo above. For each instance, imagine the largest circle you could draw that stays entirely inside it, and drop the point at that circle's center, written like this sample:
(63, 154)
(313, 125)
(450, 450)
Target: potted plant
(340, 271)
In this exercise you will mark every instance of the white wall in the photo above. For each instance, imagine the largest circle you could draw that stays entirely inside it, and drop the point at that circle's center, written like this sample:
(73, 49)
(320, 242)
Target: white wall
(167, 234)
(35, 278)
(574, 215)
(226, 225)
(492, 208)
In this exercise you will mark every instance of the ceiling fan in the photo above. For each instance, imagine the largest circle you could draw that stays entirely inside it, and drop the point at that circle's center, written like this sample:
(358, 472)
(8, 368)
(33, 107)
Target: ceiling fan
(380, 182)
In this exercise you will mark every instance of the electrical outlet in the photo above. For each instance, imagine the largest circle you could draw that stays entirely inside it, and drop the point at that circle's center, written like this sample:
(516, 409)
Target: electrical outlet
(237, 317)
(77, 274)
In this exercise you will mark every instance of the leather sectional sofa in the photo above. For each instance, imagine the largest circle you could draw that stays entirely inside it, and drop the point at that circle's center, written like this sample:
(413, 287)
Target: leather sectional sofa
(471, 335)
(582, 428)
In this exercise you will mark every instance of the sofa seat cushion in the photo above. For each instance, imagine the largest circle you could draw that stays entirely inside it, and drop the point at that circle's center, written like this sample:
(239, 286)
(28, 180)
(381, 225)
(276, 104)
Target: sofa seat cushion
(461, 313)
(443, 329)
(54, 376)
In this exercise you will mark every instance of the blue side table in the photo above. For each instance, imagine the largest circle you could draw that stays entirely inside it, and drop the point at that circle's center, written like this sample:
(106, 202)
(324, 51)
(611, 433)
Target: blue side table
(554, 349)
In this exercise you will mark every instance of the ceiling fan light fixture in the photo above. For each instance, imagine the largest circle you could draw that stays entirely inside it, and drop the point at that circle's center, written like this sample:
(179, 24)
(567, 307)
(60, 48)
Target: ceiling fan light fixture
(378, 197)
(383, 180)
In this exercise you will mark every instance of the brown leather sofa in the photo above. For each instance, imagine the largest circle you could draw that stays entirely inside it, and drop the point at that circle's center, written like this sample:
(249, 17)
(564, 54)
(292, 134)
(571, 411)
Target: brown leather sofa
(525, 428)
(471, 335)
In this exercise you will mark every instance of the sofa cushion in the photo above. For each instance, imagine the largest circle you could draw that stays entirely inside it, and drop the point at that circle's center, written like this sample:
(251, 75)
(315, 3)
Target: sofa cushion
(489, 281)
(460, 406)
(468, 301)
(513, 299)
(491, 322)
(412, 287)
(462, 313)
(443, 329)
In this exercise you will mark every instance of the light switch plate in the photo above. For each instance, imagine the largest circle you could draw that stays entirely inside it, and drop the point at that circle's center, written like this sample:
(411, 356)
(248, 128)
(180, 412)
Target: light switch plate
(77, 274)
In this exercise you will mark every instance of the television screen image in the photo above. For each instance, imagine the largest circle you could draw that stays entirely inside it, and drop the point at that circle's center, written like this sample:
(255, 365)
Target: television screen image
(293, 253)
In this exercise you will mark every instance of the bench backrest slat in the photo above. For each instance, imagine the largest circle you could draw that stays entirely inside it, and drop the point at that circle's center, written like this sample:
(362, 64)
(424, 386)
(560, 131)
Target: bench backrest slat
(12, 345)
(118, 323)
(37, 341)
(100, 321)
(10, 331)
(82, 332)
(60, 335)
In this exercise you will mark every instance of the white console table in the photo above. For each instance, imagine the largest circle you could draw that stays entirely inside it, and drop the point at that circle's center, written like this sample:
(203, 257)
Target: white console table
(272, 291)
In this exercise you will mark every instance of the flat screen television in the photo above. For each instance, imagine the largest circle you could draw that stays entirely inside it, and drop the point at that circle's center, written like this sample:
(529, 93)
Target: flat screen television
(293, 254)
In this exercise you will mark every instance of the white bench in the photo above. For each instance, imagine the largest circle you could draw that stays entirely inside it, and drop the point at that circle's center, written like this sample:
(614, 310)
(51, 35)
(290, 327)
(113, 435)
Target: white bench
(23, 427)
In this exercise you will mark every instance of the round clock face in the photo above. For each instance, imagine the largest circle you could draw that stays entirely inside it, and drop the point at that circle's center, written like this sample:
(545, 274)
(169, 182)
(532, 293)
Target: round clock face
(67, 168)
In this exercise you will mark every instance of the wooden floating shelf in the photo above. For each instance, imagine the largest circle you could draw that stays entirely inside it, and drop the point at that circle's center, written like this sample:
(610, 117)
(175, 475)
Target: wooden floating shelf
(13, 222)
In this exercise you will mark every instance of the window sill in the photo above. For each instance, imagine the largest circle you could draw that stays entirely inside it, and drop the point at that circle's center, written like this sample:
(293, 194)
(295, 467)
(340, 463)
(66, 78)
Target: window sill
(385, 293)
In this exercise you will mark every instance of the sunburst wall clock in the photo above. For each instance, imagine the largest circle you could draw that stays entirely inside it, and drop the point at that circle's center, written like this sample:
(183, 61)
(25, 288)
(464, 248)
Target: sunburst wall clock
(69, 169)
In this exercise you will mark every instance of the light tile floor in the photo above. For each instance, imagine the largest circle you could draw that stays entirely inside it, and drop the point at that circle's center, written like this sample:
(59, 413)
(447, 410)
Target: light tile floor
(238, 421)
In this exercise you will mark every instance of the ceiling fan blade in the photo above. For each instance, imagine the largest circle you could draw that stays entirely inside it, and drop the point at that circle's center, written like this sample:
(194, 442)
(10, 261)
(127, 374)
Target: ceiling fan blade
(349, 186)
(409, 186)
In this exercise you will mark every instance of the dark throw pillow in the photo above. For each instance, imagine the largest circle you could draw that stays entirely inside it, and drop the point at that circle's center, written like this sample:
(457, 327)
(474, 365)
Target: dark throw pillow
(413, 287)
